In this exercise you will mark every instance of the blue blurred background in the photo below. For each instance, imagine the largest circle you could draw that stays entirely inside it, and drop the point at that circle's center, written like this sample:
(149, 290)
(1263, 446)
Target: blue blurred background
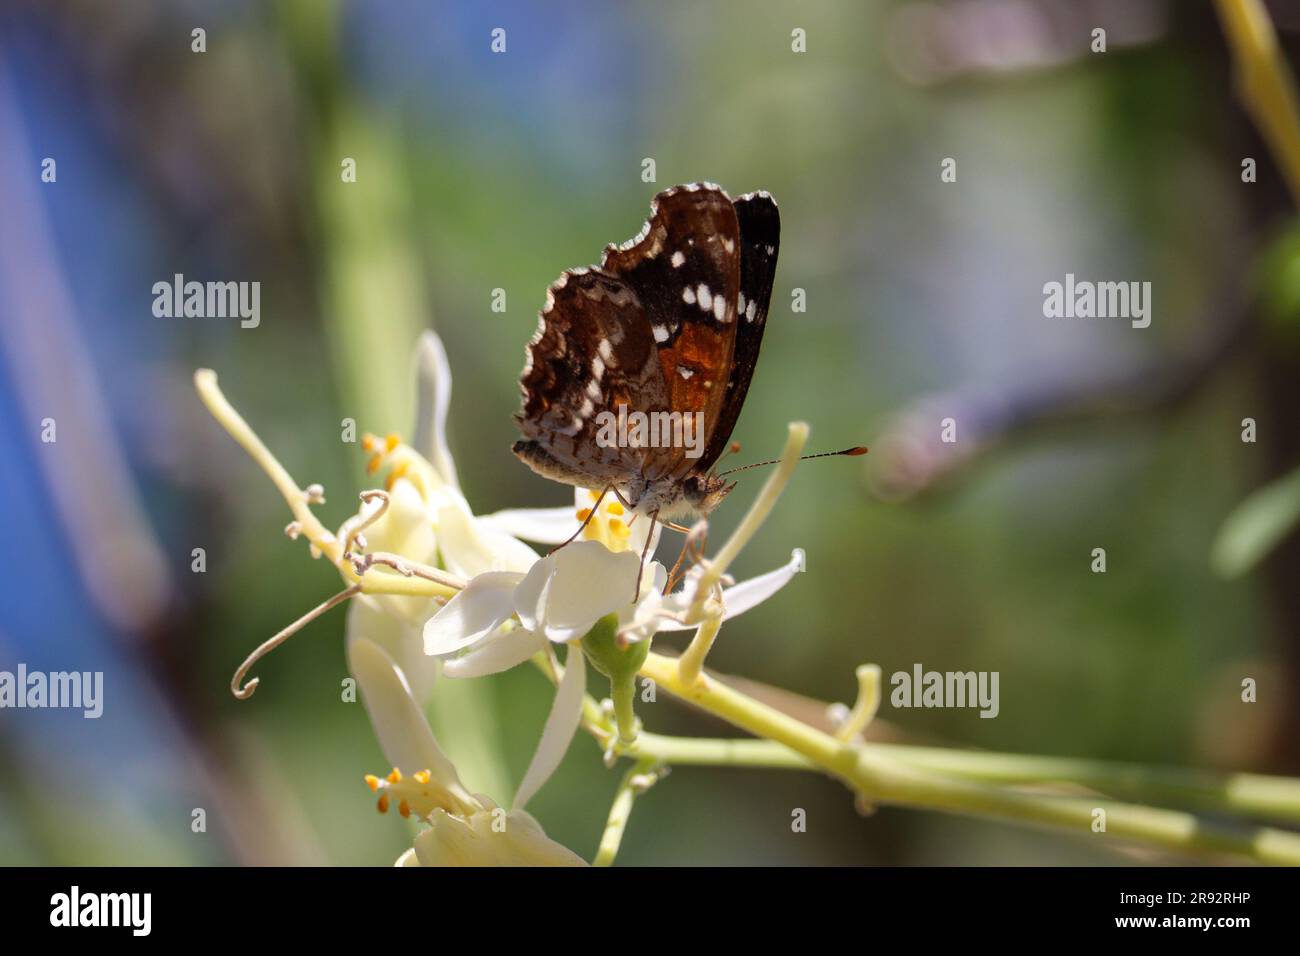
(479, 171)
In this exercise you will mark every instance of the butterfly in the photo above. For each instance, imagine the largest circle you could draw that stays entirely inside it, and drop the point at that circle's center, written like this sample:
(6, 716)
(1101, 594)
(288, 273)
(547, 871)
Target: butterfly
(665, 330)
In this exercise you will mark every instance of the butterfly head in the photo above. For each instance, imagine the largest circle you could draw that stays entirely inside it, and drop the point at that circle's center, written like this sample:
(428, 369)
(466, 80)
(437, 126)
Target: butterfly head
(705, 492)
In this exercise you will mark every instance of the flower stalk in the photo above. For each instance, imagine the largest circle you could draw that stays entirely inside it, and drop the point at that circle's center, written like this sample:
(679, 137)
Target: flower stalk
(620, 662)
(638, 778)
(879, 779)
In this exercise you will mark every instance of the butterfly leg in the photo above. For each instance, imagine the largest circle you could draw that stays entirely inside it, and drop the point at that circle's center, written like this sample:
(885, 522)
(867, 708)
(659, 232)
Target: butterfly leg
(692, 548)
(645, 549)
(591, 513)
(672, 575)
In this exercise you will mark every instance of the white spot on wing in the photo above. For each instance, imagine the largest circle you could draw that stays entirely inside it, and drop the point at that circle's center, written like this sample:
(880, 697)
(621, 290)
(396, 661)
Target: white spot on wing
(678, 259)
(661, 333)
(751, 311)
(685, 372)
(719, 308)
(688, 295)
(704, 297)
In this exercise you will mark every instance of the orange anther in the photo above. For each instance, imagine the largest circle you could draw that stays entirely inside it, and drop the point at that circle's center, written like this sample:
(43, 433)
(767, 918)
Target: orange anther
(392, 440)
(404, 808)
(395, 776)
(372, 782)
(584, 514)
(422, 776)
(382, 805)
(614, 508)
(398, 471)
(373, 464)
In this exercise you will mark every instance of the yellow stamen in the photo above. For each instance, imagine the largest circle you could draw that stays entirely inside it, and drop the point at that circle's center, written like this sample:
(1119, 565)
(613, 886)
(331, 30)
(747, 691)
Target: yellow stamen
(419, 796)
(584, 514)
(391, 441)
(618, 528)
(614, 508)
(399, 470)
(373, 464)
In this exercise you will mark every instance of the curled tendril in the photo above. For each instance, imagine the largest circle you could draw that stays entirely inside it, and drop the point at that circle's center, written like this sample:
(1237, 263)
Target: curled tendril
(352, 528)
(242, 690)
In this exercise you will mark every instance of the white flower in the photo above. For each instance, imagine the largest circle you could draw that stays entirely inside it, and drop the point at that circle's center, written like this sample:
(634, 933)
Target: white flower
(501, 619)
(465, 829)
(490, 837)
(426, 520)
(511, 606)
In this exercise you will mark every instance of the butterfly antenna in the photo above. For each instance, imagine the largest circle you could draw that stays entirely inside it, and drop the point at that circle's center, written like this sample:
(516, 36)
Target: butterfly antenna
(732, 449)
(848, 452)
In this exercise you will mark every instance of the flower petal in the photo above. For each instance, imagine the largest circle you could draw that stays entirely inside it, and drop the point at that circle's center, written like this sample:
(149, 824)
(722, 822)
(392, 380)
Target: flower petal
(739, 598)
(480, 608)
(499, 652)
(531, 845)
(398, 721)
(642, 527)
(404, 528)
(589, 582)
(543, 525)
(561, 725)
(490, 837)
(432, 401)
(530, 596)
(470, 547)
(371, 617)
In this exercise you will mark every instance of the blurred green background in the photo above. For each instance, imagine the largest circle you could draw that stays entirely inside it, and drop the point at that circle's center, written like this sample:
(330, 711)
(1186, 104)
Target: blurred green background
(478, 171)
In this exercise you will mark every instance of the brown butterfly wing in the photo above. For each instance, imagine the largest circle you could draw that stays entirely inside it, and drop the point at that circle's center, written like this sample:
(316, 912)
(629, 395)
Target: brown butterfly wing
(760, 240)
(685, 267)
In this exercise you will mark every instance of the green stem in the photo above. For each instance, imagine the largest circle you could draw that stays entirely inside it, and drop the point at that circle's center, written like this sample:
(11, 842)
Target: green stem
(619, 813)
(623, 693)
(1252, 794)
(959, 782)
(884, 778)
